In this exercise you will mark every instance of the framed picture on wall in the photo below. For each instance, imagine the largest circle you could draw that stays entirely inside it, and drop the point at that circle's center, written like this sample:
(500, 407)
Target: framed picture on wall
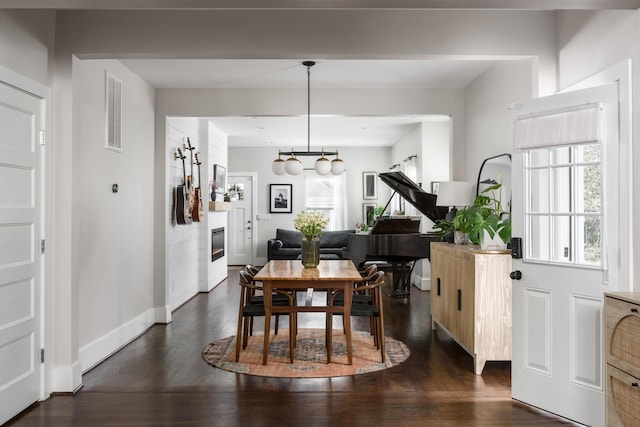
(435, 186)
(367, 213)
(369, 185)
(220, 178)
(280, 196)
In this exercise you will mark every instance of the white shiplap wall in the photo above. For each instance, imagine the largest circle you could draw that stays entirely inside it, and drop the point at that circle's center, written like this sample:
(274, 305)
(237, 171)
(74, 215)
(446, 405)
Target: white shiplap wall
(190, 269)
(217, 154)
(184, 245)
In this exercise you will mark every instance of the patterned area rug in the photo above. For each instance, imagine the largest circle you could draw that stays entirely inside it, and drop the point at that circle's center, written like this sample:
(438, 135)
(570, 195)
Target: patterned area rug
(310, 355)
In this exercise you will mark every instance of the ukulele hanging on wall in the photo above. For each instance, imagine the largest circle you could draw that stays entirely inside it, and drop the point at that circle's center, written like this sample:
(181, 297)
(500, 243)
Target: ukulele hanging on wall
(183, 212)
(198, 207)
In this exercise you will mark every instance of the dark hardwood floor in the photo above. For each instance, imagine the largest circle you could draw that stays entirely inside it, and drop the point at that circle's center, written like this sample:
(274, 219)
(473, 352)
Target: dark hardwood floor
(160, 379)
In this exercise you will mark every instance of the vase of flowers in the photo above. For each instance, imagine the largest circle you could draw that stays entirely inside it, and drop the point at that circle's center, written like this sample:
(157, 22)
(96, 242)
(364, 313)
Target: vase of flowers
(311, 224)
(214, 187)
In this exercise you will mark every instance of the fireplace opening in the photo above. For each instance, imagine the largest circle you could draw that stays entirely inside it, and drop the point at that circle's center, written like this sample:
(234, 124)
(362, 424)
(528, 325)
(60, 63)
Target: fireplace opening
(217, 243)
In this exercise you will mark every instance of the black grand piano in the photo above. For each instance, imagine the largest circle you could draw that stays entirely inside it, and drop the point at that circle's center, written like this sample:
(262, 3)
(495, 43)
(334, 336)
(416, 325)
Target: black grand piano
(397, 240)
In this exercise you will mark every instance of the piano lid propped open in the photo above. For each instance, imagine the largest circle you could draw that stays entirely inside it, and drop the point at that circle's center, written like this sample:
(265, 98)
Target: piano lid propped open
(412, 193)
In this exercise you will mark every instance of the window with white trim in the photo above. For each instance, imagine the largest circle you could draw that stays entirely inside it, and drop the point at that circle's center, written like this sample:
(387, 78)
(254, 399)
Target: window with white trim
(563, 207)
(326, 194)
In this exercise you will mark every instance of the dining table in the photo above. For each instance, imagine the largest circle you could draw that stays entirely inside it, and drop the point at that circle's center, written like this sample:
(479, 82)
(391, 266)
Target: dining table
(291, 275)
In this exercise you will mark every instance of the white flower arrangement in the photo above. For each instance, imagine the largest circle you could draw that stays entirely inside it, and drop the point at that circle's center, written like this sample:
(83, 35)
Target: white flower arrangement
(310, 223)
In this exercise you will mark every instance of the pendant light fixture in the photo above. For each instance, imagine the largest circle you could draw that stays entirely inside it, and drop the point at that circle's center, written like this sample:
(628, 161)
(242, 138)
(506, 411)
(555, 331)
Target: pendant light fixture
(293, 165)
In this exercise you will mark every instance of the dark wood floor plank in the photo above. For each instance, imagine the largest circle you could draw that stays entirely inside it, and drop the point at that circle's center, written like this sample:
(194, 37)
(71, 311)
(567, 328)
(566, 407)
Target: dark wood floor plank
(160, 379)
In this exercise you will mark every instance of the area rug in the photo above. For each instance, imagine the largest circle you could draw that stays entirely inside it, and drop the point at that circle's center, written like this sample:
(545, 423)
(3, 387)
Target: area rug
(310, 355)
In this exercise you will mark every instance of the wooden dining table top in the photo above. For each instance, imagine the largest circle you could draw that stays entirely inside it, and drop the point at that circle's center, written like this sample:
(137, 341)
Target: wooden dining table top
(293, 270)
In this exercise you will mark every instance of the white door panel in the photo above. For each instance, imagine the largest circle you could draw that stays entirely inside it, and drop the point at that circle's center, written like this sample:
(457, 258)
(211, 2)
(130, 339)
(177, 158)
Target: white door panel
(558, 345)
(20, 123)
(241, 226)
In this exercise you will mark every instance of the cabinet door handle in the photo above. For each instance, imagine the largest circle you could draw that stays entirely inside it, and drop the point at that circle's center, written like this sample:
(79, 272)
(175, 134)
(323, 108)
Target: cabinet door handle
(459, 300)
(438, 286)
(634, 384)
(634, 310)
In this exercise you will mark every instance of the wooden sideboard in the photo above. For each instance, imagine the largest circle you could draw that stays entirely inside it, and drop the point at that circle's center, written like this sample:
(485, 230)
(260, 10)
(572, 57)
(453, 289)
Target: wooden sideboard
(471, 299)
(622, 319)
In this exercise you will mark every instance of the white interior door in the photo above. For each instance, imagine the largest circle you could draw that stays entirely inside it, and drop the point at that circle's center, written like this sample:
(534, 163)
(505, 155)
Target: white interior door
(568, 213)
(241, 226)
(20, 124)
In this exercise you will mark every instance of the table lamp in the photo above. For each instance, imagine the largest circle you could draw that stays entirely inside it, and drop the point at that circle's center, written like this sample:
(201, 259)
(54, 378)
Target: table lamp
(455, 194)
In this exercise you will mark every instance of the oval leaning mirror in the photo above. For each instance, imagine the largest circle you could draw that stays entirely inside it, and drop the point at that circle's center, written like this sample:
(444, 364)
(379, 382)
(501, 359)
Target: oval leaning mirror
(494, 170)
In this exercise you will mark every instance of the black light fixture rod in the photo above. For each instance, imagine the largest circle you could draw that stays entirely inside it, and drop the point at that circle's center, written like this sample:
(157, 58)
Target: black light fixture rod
(309, 64)
(308, 153)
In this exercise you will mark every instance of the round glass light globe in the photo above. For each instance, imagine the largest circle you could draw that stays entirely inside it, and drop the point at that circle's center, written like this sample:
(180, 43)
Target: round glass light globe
(322, 166)
(293, 166)
(278, 167)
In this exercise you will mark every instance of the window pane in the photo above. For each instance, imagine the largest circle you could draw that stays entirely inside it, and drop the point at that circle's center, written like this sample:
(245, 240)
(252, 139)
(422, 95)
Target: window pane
(560, 156)
(588, 188)
(589, 240)
(561, 189)
(538, 157)
(539, 238)
(320, 196)
(539, 190)
(561, 235)
(587, 153)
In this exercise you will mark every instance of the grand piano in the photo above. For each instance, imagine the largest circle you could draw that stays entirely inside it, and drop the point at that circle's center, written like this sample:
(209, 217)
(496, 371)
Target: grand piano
(397, 241)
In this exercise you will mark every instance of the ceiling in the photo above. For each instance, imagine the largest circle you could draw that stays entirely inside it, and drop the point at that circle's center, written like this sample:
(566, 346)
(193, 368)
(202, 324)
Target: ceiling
(323, 4)
(326, 131)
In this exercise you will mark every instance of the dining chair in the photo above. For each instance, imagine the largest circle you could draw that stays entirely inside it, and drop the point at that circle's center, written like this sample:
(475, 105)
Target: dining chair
(373, 310)
(360, 294)
(276, 299)
(248, 310)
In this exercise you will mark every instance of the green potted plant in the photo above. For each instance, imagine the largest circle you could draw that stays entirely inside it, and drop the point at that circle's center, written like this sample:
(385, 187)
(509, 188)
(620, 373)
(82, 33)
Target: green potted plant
(486, 219)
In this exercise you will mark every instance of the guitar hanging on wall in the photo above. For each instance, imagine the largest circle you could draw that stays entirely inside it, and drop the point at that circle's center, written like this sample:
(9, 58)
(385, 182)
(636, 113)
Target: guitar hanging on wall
(190, 181)
(198, 207)
(183, 213)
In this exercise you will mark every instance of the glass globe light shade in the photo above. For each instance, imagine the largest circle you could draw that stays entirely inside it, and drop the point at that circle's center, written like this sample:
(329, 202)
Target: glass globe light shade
(322, 166)
(293, 166)
(278, 166)
(337, 166)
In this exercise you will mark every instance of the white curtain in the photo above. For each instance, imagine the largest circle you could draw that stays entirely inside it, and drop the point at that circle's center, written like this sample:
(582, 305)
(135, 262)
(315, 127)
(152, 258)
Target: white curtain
(409, 166)
(562, 127)
(327, 194)
(340, 201)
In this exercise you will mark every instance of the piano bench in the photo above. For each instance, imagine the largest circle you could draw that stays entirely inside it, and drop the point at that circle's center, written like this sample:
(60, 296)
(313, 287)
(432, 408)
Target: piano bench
(323, 256)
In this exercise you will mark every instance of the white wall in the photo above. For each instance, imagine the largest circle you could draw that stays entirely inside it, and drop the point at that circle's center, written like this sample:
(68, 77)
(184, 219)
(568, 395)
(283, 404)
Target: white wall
(487, 116)
(26, 42)
(259, 160)
(113, 232)
(184, 241)
(216, 271)
(436, 145)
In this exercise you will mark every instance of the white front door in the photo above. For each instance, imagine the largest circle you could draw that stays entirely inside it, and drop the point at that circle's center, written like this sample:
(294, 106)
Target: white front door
(567, 209)
(241, 227)
(20, 259)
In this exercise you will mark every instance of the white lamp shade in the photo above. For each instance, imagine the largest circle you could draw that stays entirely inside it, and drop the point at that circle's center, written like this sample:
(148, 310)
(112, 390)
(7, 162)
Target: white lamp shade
(322, 166)
(337, 166)
(293, 166)
(278, 166)
(455, 193)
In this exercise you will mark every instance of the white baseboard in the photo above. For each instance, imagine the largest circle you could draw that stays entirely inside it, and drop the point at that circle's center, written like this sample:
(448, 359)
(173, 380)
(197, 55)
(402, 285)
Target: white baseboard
(65, 378)
(163, 314)
(92, 354)
(422, 283)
